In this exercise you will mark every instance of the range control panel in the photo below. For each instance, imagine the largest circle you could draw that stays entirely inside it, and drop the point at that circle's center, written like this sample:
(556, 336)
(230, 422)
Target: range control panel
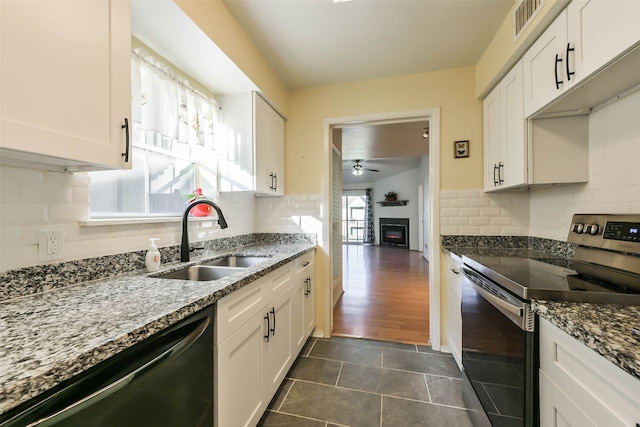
(615, 232)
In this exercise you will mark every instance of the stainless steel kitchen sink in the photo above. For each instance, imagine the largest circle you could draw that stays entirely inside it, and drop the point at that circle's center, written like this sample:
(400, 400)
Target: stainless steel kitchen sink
(200, 273)
(236, 261)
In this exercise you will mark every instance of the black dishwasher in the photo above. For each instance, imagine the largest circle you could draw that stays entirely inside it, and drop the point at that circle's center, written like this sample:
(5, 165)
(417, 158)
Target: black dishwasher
(166, 380)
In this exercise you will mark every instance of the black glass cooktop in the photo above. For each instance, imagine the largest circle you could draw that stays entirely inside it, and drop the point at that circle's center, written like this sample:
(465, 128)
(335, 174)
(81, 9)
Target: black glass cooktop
(539, 277)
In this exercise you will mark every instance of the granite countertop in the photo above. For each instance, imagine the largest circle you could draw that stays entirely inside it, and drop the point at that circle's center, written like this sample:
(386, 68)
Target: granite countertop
(51, 336)
(611, 330)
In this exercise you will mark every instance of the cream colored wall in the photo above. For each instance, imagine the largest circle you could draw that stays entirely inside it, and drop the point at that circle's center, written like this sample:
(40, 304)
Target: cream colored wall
(215, 20)
(504, 51)
(452, 90)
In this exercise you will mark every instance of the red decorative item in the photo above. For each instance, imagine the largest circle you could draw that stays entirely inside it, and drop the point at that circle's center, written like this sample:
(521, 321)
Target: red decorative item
(202, 209)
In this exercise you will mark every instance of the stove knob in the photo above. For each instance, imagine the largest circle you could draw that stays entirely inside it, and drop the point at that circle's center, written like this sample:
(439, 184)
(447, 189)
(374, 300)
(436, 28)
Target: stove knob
(592, 229)
(578, 228)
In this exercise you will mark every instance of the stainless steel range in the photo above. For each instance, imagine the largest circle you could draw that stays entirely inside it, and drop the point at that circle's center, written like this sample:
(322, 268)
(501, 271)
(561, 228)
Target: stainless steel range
(499, 340)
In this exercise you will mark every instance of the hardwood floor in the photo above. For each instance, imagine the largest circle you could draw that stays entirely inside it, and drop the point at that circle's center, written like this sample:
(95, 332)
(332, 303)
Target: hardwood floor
(386, 295)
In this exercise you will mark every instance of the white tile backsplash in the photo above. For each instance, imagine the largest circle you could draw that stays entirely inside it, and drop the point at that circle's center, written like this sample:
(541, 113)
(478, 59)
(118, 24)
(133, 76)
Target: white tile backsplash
(289, 214)
(614, 173)
(33, 200)
(613, 187)
(474, 212)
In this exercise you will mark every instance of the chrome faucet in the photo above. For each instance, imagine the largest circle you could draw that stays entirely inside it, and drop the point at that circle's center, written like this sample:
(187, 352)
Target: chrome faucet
(184, 247)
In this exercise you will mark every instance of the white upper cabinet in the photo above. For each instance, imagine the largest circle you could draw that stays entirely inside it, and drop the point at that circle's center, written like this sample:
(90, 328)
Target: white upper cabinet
(582, 60)
(66, 84)
(505, 134)
(599, 31)
(521, 152)
(252, 147)
(269, 143)
(545, 76)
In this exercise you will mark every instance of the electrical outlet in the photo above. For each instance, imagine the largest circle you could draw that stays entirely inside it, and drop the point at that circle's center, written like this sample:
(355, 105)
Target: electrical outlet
(51, 245)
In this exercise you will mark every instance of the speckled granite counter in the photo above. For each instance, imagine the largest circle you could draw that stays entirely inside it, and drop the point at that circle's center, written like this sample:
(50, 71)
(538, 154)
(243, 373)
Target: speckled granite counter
(51, 336)
(611, 330)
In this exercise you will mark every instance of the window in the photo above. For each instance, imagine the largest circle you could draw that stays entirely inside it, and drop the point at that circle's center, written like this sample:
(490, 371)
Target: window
(172, 146)
(353, 216)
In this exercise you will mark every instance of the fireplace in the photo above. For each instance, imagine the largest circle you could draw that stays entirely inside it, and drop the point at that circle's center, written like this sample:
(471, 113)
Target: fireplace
(394, 232)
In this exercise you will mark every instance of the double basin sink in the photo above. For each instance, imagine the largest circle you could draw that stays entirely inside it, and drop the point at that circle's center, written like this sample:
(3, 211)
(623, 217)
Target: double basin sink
(215, 269)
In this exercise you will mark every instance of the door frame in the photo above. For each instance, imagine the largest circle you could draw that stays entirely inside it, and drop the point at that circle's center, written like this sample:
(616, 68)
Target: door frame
(433, 116)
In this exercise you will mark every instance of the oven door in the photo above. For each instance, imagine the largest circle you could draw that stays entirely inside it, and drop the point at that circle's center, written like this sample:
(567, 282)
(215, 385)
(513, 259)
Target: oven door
(499, 351)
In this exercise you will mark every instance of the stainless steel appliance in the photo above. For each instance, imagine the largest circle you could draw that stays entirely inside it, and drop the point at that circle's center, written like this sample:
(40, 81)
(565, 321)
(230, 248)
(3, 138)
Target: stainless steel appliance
(499, 341)
(166, 380)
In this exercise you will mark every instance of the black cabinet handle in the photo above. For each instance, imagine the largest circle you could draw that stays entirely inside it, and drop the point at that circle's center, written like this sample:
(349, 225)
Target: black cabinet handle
(495, 181)
(306, 263)
(558, 82)
(268, 327)
(500, 166)
(273, 312)
(307, 286)
(275, 187)
(569, 73)
(125, 126)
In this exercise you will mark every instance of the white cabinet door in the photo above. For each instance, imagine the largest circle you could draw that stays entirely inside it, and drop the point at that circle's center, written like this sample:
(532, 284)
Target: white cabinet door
(304, 319)
(277, 351)
(505, 133)
(454, 290)
(297, 323)
(269, 148)
(493, 139)
(600, 390)
(240, 400)
(544, 67)
(263, 174)
(557, 409)
(514, 171)
(309, 306)
(599, 31)
(66, 82)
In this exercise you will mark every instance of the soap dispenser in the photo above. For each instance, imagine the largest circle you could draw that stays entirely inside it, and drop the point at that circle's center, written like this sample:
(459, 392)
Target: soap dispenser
(153, 256)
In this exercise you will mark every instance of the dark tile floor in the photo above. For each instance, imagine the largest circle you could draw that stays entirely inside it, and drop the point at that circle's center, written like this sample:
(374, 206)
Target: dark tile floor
(354, 382)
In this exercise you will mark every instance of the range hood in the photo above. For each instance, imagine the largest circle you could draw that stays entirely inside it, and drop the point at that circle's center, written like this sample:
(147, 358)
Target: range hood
(615, 80)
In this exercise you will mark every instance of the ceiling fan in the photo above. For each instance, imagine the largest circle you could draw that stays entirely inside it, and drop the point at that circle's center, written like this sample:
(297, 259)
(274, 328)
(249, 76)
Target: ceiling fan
(358, 169)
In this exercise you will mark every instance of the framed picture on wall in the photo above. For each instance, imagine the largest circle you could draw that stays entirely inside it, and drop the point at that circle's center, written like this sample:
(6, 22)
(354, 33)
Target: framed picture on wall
(460, 149)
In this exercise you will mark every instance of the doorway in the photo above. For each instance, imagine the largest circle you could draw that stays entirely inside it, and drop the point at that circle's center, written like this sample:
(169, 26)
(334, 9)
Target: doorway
(431, 218)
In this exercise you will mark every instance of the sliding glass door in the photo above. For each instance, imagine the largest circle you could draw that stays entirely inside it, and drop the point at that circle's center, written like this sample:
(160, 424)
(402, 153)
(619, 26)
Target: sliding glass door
(353, 217)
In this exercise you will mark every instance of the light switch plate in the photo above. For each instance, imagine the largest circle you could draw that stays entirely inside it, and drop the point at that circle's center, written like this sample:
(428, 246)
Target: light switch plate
(51, 245)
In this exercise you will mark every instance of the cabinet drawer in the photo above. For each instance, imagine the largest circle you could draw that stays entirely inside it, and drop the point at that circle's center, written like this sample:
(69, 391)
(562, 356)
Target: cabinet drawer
(278, 281)
(237, 308)
(606, 393)
(304, 264)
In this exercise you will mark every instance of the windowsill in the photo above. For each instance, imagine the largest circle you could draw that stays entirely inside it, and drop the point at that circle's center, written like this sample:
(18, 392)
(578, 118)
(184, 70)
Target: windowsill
(99, 222)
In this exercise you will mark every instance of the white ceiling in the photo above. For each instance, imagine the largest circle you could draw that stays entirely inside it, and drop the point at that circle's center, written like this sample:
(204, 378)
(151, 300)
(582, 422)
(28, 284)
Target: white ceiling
(318, 42)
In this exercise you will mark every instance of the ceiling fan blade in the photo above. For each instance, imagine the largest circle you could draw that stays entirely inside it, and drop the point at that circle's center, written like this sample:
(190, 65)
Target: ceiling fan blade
(372, 170)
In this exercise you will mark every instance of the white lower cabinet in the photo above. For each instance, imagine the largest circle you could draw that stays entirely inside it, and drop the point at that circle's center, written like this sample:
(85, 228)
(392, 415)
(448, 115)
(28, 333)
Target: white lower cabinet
(454, 301)
(259, 333)
(239, 396)
(277, 350)
(578, 387)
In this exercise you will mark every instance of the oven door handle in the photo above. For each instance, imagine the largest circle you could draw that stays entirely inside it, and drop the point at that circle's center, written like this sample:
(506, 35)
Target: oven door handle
(499, 302)
(492, 299)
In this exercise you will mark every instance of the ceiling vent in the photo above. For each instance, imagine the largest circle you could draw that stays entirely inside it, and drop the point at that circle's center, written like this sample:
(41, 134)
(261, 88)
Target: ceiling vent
(524, 13)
